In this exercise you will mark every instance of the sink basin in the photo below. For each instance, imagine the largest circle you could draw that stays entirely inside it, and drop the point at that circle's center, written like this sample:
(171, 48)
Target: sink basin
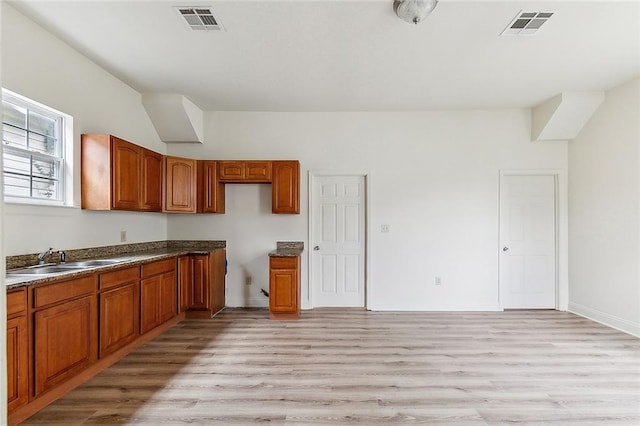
(91, 263)
(39, 270)
(57, 268)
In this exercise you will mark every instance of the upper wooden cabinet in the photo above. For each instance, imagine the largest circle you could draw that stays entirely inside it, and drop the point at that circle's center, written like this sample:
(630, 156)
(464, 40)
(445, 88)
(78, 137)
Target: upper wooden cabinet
(151, 195)
(244, 171)
(180, 185)
(210, 189)
(119, 175)
(285, 191)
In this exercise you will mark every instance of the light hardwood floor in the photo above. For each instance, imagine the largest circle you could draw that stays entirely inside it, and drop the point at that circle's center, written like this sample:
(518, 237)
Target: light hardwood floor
(341, 366)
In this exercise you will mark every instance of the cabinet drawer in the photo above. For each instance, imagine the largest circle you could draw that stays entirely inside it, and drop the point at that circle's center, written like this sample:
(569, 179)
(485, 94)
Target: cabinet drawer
(16, 302)
(116, 278)
(258, 171)
(159, 267)
(58, 292)
(283, 262)
(231, 170)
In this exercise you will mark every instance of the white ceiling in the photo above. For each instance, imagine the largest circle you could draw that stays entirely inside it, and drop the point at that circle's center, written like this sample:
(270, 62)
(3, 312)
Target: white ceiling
(352, 55)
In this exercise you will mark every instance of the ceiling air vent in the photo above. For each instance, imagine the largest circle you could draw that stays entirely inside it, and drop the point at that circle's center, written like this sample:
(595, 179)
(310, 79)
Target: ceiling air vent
(527, 23)
(200, 18)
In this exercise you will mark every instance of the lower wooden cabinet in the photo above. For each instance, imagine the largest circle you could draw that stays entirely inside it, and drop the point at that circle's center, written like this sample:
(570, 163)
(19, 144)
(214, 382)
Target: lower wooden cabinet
(284, 287)
(158, 294)
(17, 349)
(185, 278)
(202, 283)
(119, 317)
(65, 341)
(119, 306)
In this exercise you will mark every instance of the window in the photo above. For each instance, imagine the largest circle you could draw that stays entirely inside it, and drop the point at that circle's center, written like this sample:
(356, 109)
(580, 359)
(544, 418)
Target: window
(33, 151)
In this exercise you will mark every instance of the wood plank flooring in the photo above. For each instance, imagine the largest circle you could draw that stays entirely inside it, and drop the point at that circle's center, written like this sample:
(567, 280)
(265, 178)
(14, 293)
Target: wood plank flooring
(345, 366)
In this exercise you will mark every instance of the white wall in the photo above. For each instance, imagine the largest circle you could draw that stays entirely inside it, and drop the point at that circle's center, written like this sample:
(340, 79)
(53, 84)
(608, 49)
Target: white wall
(39, 66)
(604, 212)
(434, 180)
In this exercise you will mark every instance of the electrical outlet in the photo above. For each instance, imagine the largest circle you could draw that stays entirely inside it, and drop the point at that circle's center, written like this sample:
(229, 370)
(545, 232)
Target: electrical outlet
(438, 280)
(248, 280)
(123, 236)
(384, 228)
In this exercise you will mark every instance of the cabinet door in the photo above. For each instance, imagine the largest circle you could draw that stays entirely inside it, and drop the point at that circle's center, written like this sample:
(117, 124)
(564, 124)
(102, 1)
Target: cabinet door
(283, 291)
(185, 282)
(218, 259)
(258, 171)
(17, 363)
(65, 341)
(119, 317)
(200, 291)
(285, 191)
(149, 303)
(180, 185)
(151, 187)
(231, 170)
(168, 303)
(210, 189)
(125, 158)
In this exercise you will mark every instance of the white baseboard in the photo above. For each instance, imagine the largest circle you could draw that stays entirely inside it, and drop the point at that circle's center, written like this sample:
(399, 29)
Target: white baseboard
(609, 320)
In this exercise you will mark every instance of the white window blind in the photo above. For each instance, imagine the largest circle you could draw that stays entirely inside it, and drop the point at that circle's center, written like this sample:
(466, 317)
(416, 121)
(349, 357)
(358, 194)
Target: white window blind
(33, 151)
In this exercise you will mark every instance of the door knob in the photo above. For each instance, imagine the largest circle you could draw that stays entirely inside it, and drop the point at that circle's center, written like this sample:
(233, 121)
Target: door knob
(505, 248)
(316, 248)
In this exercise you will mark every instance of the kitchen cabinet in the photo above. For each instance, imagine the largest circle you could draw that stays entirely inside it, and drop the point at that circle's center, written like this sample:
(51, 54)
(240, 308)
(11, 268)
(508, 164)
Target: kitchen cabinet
(180, 185)
(210, 189)
(119, 305)
(158, 294)
(284, 287)
(64, 327)
(285, 190)
(245, 171)
(184, 283)
(151, 195)
(17, 350)
(119, 175)
(202, 281)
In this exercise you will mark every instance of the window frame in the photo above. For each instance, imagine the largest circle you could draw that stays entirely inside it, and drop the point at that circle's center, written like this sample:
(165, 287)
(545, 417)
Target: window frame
(62, 157)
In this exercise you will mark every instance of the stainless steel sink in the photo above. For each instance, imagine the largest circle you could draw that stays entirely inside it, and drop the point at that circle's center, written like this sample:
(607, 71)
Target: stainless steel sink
(92, 263)
(39, 270)
(48, 269)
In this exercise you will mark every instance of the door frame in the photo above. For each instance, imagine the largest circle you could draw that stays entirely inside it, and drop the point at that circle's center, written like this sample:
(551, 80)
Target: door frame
(313, 176)
(561, 230)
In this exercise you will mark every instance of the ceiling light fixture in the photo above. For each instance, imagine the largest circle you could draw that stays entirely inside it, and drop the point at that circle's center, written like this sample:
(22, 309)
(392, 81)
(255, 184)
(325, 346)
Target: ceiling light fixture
(414, 11)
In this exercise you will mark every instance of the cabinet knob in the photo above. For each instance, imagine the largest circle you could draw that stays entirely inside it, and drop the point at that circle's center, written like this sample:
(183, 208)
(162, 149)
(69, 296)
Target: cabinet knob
(505, 248)
(316, 248)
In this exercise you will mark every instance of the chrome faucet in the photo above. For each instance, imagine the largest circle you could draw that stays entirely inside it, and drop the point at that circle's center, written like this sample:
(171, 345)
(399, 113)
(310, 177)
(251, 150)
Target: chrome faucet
(63, 256)
(43, 256)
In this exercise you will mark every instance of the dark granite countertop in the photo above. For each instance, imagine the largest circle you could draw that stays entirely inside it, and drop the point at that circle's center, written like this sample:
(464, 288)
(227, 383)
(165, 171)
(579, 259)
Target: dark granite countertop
(287, 249)
(285, 252)
(127, 259)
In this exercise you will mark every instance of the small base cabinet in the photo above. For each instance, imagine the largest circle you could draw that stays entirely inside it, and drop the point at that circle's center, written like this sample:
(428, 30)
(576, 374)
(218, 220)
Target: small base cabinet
(119, 301)
(284, 287)
(202, 284)
(65, 332)
(17, 350)
(158, 294)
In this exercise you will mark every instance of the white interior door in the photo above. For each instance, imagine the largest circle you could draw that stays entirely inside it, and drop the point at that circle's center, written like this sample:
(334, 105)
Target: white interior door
(528, 241)
(338, 241)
